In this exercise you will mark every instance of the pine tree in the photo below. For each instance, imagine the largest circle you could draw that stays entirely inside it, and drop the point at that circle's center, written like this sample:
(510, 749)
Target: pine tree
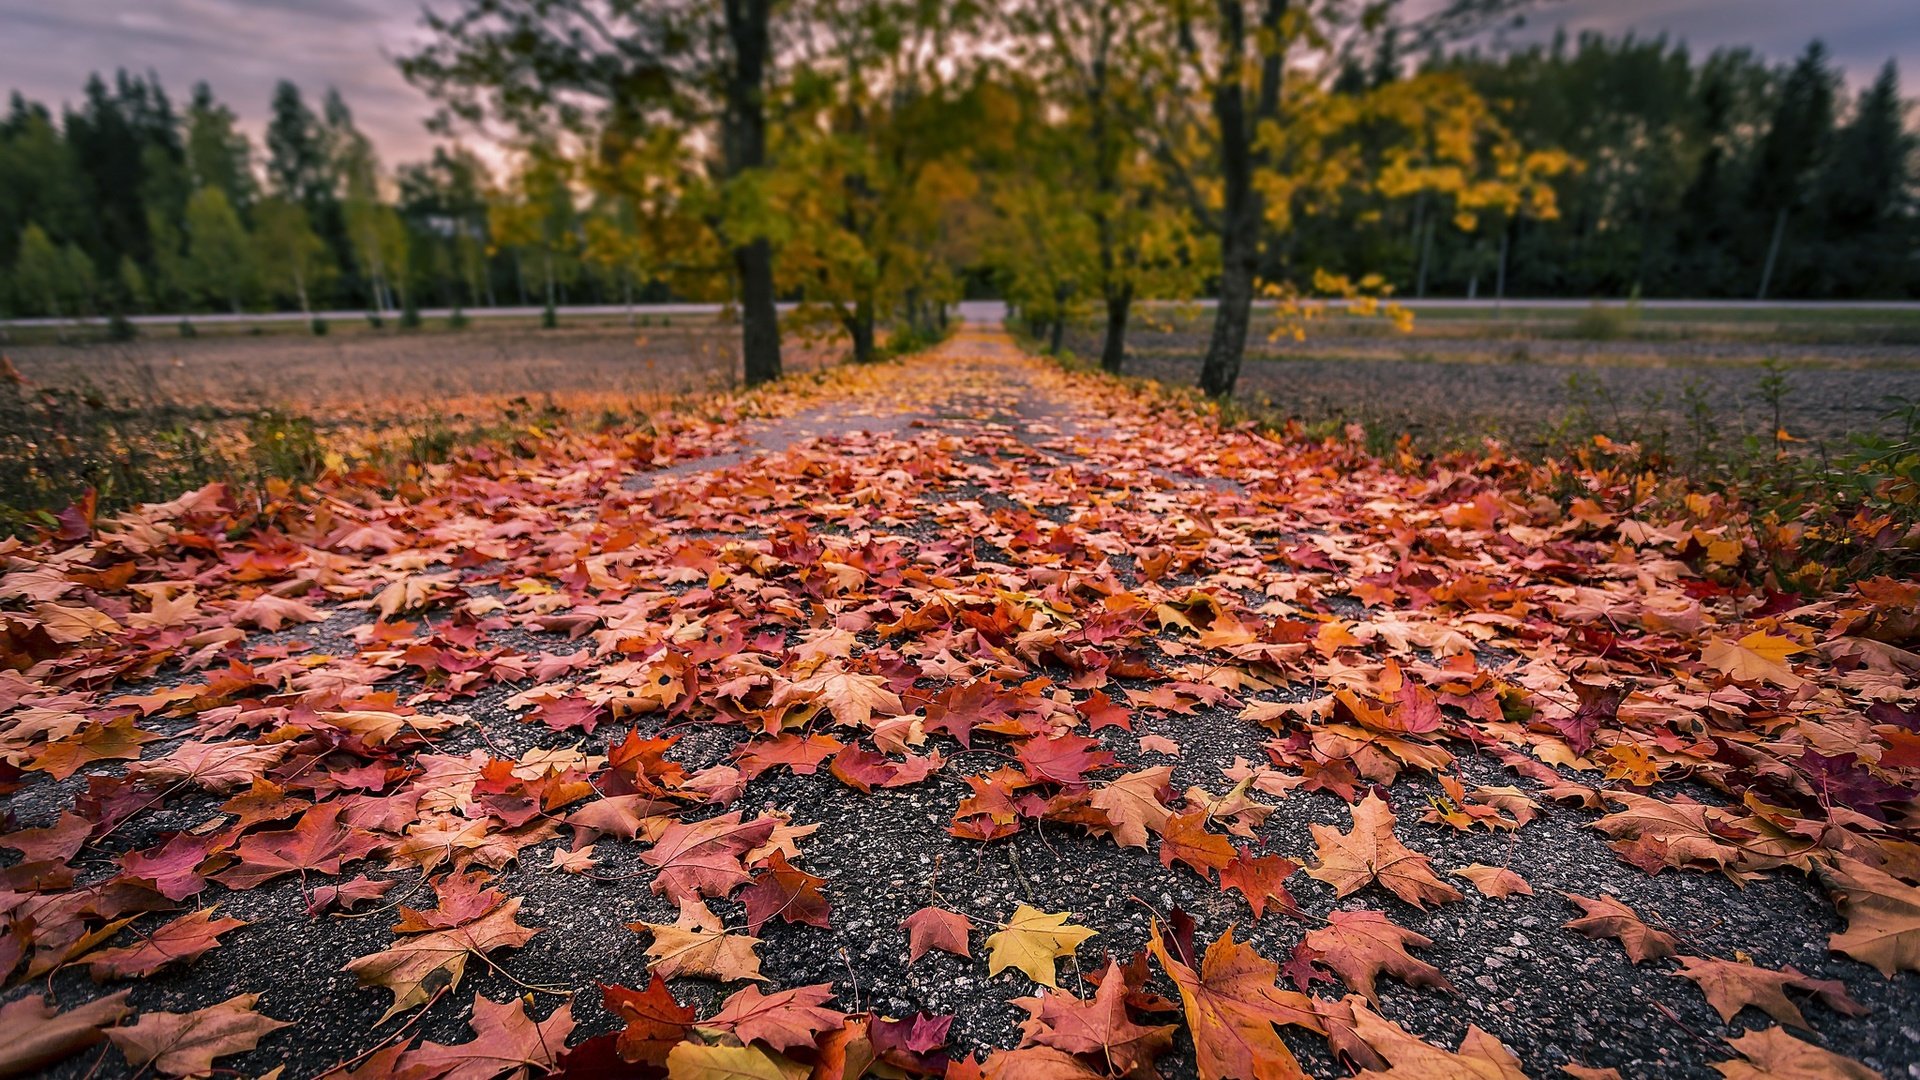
(1794, 146)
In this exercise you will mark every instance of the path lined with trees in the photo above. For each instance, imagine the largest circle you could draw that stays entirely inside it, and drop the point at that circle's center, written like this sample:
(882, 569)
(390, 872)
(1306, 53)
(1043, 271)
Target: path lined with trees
(873, 160)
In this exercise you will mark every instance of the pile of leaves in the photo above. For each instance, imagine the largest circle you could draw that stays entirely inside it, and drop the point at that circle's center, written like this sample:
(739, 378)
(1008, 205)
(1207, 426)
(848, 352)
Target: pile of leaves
(369, 696)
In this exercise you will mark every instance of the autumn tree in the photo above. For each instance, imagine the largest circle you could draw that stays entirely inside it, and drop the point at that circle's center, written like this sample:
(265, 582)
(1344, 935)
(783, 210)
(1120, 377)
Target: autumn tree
(612, 69)
(1089, 61)
(1237, 95)
(874, 151)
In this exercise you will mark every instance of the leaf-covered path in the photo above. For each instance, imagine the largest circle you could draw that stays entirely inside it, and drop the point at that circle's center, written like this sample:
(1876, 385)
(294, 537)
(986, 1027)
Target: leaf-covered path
(954, 717)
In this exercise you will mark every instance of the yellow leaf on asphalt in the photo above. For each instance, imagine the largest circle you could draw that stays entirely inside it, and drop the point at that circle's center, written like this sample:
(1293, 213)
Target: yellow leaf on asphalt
(1032, 941)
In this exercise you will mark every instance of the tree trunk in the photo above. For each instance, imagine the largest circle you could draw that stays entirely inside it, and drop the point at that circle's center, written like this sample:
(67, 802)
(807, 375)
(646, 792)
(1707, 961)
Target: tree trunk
(744, 136)
(1500, 279)
(1773, 253)
(1056, 335)
(860, 328)
(1426, 253)
(1243, 214)
(1221, 368)
(1113, 350)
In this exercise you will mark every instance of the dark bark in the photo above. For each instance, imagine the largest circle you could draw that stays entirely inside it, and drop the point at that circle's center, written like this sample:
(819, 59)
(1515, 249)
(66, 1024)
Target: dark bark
(860, 329)
(1056, 335)
(744, 137)
(1113, 350)
(1243, 213)
(1221, 369)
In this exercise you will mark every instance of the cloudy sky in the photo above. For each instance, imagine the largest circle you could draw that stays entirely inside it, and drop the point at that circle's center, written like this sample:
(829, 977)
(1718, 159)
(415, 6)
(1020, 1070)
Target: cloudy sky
(243, 47)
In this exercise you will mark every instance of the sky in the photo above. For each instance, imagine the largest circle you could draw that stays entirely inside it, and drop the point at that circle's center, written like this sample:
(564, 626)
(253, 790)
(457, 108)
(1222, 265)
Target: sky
(243, 47)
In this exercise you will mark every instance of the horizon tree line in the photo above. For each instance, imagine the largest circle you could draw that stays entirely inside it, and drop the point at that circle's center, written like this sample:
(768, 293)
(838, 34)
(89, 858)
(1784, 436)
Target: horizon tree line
(875, 160)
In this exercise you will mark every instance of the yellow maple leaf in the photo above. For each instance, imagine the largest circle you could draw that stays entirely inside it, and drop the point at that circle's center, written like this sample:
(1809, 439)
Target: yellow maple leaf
(1032, 940)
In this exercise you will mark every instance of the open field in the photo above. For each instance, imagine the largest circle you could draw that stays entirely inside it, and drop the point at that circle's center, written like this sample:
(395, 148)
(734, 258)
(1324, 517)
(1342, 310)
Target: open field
(147, 419)
(1530, 373)
(368, 374)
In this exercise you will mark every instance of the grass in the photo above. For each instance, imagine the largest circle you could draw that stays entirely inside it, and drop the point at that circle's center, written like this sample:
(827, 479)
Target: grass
(1808, 516)
(110, 425)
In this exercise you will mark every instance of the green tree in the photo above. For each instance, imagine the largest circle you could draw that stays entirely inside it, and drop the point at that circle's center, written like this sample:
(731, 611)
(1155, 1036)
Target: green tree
(134, 293)
(1795, 144)
(1865, 198)
(219, 254)
(1090, 63)
(39, 273)
(219, 155)
(290, 256)
(874, 151)
(536, 215)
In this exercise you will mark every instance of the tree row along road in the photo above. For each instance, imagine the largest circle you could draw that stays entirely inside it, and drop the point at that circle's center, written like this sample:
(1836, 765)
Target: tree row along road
(975, 310)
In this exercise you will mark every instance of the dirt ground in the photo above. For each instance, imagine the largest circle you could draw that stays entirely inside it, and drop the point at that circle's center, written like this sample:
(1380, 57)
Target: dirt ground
(848, 536)
(1448, 381)
(456, 375)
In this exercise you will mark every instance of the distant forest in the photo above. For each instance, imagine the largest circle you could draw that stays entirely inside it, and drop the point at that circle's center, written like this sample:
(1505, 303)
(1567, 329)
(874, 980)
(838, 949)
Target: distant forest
(1723, 177)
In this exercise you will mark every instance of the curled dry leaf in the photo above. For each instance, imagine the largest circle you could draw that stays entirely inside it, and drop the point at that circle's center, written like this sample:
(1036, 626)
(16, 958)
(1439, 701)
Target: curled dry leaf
(186, 1044)
(1372, 853)
(1607, 917)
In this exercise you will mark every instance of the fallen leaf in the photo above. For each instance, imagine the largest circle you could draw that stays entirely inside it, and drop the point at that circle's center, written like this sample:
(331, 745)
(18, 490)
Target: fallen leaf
(1359, 946)
(1772, 1054)
(1495, 881)
(1370, 853)
(783, 1020)
(697, 944)
(1031, 941)
(1232, 1006)
(418, 967)
(185, 1044)
(692, 1061)
(34, 1035)
(1607, 917)
(936, 928)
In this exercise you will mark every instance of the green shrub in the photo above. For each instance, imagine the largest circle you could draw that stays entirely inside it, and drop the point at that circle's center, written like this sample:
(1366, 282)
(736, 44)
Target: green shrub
(286, 446)
(187, 329)
(318, 326)
(457, 318)
(121, 328)
(1601, 322)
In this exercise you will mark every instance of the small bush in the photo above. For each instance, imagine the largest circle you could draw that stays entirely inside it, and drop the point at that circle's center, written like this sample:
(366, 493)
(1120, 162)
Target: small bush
(121, 328)
(374, 320)
(549, 318)
(409, 314)
(318, 326)
(1601, 322)
(286, 446)
(457, 318)
(187, 329)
